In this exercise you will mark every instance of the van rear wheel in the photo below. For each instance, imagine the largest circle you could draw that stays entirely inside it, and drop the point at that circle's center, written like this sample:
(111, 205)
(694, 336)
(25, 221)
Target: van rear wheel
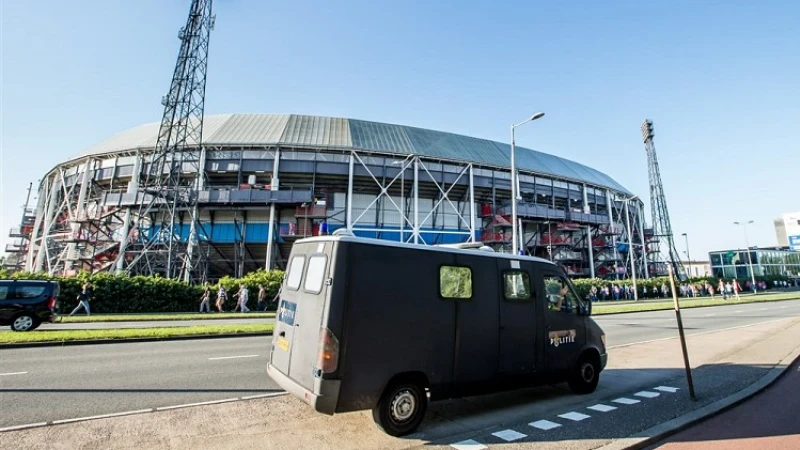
(585, 375)
(401, 408)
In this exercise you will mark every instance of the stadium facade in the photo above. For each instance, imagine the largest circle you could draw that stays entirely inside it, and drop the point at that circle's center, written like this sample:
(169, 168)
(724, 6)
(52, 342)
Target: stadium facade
(300, 175)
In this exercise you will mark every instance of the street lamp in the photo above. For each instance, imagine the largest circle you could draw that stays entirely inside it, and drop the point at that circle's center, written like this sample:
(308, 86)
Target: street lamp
(688, 258)
(514, 193)
(749, 258)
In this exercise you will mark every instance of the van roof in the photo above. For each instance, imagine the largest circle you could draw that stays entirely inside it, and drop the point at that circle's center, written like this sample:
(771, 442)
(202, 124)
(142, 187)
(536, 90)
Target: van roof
(433, 248)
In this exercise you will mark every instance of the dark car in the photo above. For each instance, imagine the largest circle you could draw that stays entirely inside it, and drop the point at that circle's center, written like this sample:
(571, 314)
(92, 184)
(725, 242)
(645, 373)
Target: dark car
(25, 304)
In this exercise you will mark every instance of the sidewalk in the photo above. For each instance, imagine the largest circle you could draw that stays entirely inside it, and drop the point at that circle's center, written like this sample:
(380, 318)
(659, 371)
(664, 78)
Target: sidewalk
(724, 362)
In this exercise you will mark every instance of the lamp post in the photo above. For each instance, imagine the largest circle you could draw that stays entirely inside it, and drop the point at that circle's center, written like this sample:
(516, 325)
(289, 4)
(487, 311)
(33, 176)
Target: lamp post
(688, 258)
(514, 193)
(749, 258)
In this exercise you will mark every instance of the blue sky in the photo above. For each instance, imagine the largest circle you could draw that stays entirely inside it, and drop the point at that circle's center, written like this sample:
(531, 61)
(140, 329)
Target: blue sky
(718, 78)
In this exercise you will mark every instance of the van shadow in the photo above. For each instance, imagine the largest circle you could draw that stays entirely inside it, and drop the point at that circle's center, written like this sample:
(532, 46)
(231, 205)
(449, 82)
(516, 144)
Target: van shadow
(477, 417)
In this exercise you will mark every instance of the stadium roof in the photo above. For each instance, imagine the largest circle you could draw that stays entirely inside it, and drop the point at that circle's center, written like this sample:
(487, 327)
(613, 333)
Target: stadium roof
(337, 133)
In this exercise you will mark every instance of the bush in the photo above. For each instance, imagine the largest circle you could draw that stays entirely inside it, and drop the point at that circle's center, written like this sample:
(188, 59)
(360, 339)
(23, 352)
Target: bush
(583, 285)
(140, 294)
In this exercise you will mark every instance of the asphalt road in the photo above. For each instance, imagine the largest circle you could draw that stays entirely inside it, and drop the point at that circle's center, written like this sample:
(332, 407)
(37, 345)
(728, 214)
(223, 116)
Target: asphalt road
(54, 383)
(148, 324)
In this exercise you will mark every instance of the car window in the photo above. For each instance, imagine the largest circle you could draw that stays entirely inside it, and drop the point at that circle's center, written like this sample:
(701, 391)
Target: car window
(455, 282)
(315, 273)
(516, 285)
(295, 272)
(4, 292)
(560, 297)
(23, 291)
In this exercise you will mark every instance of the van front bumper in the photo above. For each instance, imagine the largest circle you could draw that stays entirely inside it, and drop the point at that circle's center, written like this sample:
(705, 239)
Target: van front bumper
(324, 397)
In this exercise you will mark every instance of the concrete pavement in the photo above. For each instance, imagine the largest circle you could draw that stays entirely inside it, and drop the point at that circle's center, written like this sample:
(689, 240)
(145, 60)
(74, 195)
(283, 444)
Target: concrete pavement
(644, 384)
(67, 382)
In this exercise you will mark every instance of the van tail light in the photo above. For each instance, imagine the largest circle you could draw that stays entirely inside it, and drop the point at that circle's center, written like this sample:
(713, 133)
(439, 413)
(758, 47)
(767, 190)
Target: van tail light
(51, 303)
(328, 359)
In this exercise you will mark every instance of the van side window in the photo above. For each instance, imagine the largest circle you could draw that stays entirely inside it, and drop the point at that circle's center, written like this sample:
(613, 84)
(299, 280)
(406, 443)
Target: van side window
(29, 291)
(455, 282)
(315, 273)
(295, 272)
(560, 297)
(516, 285)
(3, 292)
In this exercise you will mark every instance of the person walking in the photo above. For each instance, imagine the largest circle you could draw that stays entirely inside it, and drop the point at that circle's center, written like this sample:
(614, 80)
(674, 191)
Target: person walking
(86, 295)
(736, 288)
(262, 298)
(222, 295)
(242, 297)
(721, 289)
(205, 299)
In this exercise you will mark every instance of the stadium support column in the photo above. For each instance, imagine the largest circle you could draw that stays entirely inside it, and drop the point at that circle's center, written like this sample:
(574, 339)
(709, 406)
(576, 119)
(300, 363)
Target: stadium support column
(350, 192)
(640, 208)
(80, 210)
(471, 204)
(48, 223)
(40, 206)
(588, 233)
(612, 230)
(274, 185)
(416, 199)
(133, 188)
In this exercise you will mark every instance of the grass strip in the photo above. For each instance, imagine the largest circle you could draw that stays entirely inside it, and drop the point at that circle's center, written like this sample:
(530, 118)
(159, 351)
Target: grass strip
(155, 317)
(610, 308)
(43, 335)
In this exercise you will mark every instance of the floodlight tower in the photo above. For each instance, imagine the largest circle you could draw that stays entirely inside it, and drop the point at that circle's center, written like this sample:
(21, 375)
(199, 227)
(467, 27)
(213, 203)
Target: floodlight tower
(662, 229)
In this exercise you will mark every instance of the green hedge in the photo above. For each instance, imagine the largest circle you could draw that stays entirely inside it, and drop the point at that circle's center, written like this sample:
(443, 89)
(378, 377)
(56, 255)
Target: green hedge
(140, 294)
(583, 285)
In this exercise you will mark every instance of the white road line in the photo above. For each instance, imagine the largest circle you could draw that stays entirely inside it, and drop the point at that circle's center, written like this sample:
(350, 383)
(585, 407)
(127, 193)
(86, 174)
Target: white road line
(762, 309)
(602, 408)
(544, 425)
(232, 357)
(626, 401)
(102, 416)
(271, 394)
(709, 315)
(574, 416)
(509, 435)
(22, 427)
(12, 373)
(468, 445)
(186, 405)
(647, 394)
(696, 334)
(738, 312)
(666, 389)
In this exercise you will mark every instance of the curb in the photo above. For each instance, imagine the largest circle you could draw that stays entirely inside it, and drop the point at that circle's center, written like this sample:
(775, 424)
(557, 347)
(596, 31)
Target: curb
(659, 432)
(671, 308)
(128, 340)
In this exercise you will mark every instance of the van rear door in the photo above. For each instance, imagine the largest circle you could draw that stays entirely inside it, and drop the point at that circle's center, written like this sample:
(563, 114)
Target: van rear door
(302, 309)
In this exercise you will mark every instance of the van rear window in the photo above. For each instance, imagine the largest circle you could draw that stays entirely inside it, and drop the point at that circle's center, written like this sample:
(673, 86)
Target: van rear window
(315, 273)
(295, 272)
(29, 291)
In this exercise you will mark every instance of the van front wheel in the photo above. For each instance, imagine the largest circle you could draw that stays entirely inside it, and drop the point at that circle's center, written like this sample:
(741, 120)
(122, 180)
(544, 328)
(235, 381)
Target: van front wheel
(401, 408)
(585, 375)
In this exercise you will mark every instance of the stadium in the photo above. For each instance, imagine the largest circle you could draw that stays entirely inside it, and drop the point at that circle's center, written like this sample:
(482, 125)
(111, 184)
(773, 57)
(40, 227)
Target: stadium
(301, 175)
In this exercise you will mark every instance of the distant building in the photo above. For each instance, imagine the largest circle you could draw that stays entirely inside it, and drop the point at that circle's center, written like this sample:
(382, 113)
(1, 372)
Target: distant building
(766, 261)
(787, 230)
(697, 268)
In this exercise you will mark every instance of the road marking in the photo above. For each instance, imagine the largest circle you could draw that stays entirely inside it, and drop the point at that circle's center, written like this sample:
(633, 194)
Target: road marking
(666, 389)
(574, 416)
(709, 315)
(468, 445)
(696, 334)
(101, 416)
(232, 357)
(738, 312)
(22, 427)
(602, 408)
(762, 309)
(626, 401)
(509, 435)
(544, 425)
(12, 373)
(647, 394)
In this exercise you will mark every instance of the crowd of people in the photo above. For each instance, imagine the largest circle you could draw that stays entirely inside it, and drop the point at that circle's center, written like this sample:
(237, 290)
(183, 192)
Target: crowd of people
(726, 289)
(242, 296)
